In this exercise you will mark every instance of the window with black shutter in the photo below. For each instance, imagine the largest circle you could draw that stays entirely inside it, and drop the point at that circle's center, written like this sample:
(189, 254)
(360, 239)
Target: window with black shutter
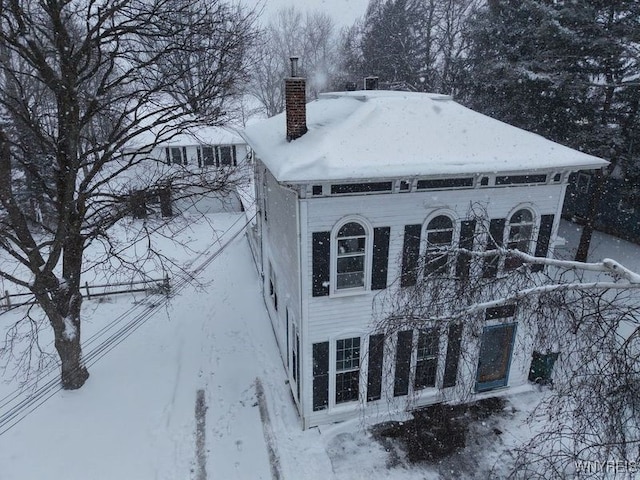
(410, 255)
(452, 358)
(321, 261)
(467, 235)
(496, 234)
(426, 359)
(380, 258)
(544, 239)
(374, 375)
(403, 363)
(320, 352)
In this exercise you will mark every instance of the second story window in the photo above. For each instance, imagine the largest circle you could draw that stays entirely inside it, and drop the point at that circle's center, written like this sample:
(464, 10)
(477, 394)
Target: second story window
(519, 236)
(351, 256)
(439, 239)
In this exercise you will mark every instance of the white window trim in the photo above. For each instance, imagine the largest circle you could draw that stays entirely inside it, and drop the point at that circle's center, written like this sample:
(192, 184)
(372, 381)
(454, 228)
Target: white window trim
(368, 259)
(454, 240)
(507, 230)
(362, 385)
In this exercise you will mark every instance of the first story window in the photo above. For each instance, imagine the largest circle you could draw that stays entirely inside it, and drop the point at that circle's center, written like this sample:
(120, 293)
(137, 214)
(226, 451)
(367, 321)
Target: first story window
(426, 359)
(347, 369)
(273, 294)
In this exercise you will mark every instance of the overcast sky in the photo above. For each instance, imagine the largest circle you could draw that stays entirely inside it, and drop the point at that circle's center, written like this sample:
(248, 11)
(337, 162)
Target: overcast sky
(344, 12)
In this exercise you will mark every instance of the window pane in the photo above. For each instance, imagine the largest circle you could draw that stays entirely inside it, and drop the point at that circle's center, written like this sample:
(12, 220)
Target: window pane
(426, 373)
(350, 280)
(522, 216)
(176, 155)
(226, 158)
(351, 264)
(208, 157)
(440, 222)
(351, 245)
(440, 238)
(352, 229)
(347, 386)
(437, 263)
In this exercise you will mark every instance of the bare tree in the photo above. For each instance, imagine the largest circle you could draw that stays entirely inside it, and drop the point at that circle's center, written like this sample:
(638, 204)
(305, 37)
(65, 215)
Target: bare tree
(80, 82)
(312, 38)
(588, 313)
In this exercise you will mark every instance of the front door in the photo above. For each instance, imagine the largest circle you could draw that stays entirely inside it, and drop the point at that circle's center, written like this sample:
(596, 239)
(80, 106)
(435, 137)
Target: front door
(495, 356)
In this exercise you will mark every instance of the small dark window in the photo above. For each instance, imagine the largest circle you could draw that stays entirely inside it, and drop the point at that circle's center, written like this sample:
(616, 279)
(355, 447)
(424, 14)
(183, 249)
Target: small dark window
(484, 181)
(520, 179)
(361, 188)
(226, 157)
(504, 311)
(445, 183)
(316, 190)
(405, 186)
(557, 177)
(583, 183)
(273, 294)
(176, 155)
(208, 157)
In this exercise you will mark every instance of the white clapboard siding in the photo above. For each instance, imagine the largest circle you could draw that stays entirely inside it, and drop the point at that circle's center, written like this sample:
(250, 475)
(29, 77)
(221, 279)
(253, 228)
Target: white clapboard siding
(330, 315)
(282, 252)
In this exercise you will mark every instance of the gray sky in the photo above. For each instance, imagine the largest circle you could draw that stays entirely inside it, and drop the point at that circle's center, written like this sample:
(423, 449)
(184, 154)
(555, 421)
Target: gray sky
(344, 12)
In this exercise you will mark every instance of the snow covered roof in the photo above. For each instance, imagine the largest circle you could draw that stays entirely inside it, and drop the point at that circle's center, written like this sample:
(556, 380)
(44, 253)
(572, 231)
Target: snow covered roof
(200, 135)
(382, 134)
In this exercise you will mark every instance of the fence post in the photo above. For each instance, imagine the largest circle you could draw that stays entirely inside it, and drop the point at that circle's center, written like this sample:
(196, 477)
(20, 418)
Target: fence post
(86, 285)
(6, 292)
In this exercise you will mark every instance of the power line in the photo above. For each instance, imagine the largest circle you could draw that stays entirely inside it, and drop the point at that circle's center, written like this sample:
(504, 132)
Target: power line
(43, 393)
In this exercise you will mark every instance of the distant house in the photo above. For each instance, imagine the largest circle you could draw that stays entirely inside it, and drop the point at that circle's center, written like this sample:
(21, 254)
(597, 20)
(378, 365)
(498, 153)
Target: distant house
(196, 149)
(350, 188)
(200, 146)
(619, 207)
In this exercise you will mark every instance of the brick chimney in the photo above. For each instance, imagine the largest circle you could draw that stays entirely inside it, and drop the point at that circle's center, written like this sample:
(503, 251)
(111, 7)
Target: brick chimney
(371, 83)
(295, 103)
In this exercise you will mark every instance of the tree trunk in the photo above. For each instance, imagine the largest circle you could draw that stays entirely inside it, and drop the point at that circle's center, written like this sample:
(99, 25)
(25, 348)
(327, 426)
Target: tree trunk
(592, 214)
(73, 371)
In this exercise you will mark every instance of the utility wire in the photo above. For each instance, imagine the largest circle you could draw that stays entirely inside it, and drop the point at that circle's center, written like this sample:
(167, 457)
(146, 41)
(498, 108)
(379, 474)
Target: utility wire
(44, 392)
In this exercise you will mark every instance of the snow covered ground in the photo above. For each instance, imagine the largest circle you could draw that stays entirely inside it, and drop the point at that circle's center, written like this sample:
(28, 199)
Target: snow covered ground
(136, 416)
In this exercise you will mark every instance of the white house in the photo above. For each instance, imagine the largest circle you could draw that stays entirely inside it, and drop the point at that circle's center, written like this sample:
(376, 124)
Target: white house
(202, 146)
(349, 187)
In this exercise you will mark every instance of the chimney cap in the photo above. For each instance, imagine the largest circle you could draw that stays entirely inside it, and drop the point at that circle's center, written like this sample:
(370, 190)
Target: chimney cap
(294, 66)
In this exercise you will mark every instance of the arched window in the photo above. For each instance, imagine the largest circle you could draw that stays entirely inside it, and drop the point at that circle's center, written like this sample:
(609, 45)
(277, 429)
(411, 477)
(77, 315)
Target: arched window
(520, 234)
(351, 256)
(439, 239)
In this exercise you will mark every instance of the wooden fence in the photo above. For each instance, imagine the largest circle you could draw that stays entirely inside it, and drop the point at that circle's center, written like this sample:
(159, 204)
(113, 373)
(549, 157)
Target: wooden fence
(93, 291)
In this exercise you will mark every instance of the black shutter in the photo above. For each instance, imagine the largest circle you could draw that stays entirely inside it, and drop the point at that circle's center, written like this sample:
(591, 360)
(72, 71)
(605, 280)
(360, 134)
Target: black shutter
(467, 233)
(167, 152)
(321, 260)
(452, 358)
(403, 363)
(320, 376)
(544, 237)
(380, 257)
(410, 255)
(496, 234)
(374, 376)
(233, 155)
(199, 151)
(184, 155)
